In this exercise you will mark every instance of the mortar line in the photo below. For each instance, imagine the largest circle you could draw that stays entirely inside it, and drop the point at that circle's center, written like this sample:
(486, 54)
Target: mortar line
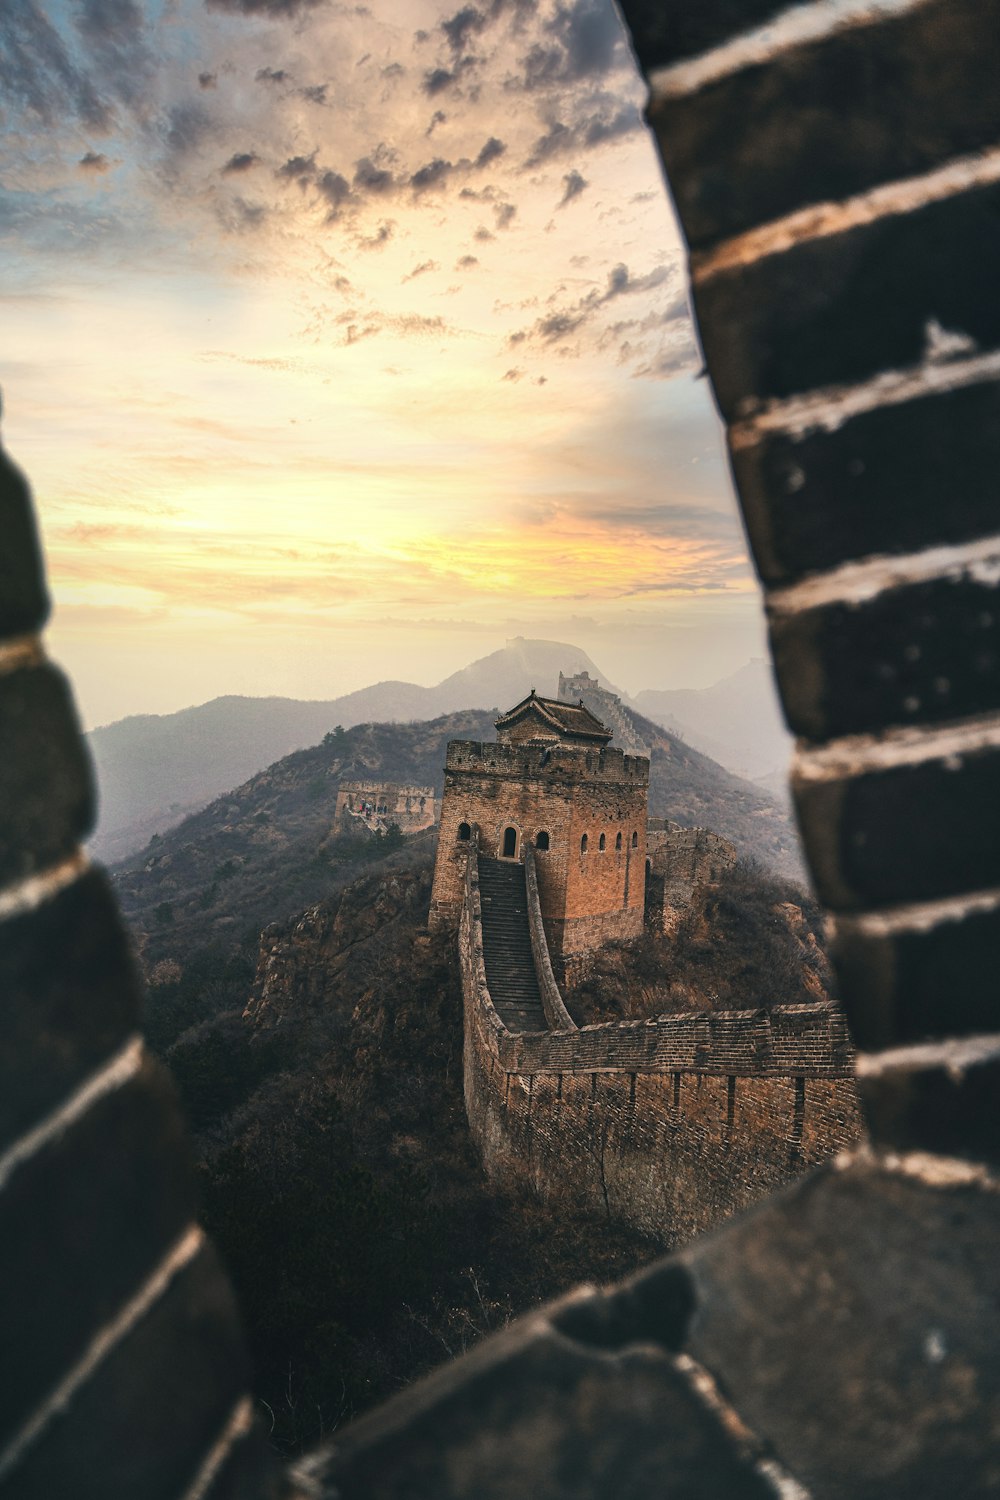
(896, 749)
(955, 1055)
(101, 1345)
(827, 408)
(26, 895)
(861, 582)
(21, 651)
(113, 1075)
(823, 220)
(794, 27)
(238, 1424)
(918, 916)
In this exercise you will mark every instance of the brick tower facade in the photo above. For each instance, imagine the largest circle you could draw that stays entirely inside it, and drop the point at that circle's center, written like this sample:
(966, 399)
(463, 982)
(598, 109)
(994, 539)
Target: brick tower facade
(552, 781)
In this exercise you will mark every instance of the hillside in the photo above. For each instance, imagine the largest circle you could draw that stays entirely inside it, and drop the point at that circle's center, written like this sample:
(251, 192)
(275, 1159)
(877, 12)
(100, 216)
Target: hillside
(153, 769)
(737, 720)
(263, 849)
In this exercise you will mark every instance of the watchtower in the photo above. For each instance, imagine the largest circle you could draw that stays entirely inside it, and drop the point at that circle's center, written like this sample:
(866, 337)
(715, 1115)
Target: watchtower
(550, 781)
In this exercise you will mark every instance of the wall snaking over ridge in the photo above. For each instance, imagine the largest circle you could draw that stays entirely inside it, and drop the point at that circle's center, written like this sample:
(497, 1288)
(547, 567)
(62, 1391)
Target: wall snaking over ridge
(670, 1124)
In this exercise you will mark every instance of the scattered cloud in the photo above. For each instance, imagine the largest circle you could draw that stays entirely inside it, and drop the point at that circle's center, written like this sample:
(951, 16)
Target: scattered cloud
(422, 269)
(574, 183)
(242, 161)
(272, 75)
(208, 80)
(273, 8)
(94, 161)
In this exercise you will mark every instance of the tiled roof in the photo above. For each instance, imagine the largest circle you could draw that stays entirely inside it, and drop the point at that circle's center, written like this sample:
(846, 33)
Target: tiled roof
(571, 720)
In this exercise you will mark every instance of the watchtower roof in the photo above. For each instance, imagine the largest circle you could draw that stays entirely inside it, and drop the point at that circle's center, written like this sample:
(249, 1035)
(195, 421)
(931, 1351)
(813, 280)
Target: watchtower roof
(548, 719)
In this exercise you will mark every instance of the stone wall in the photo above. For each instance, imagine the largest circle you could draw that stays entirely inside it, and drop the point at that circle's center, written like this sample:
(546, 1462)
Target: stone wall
(670, 1124)
(582, 688)
(678, 862)
(411, 808)
(588, 896)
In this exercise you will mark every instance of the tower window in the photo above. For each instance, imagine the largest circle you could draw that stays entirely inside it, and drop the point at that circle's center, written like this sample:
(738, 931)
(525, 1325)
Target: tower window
(618, 841)
(542, 840)
(509, 843)
(635, 841)
(583, 844)
(464, 831)
(602, 843)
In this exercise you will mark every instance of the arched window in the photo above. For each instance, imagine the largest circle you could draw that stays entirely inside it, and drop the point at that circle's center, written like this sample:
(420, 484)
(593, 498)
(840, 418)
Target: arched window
(618, 841)
(464, 831)
(635, 841)
(583, 844)
(602, 843)
(542, 840)
(509, 843)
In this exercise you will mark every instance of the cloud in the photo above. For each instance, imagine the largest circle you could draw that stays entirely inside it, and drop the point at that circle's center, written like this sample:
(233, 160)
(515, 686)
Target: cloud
(335, 190)
(463, 25)
(482, 234)
(432, 175)
(300, 169)
(94, 161)
(436, 80)
(583, 40)
(273, 8)
(437, 118)
(208, 80)
(466, 262)
(422, 269)
(272, 75)
(313, 93)
(370, 178)
(592, 129)
(493, 149)
(513, 375)
(39, 74)
(382, 236)
(573, 185)
(241, 162)
(504, 213)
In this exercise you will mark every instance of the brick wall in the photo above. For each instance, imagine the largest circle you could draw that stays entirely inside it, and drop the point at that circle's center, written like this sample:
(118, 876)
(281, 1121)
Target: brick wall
(587, 897)
(670, 1124)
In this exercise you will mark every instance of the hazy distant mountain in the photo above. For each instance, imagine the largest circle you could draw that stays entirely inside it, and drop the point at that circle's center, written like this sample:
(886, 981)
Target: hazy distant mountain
(152, 769)
(736, 721)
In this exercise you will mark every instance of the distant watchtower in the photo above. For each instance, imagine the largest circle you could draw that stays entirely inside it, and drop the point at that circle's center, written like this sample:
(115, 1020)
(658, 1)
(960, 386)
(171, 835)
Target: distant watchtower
(552, 781)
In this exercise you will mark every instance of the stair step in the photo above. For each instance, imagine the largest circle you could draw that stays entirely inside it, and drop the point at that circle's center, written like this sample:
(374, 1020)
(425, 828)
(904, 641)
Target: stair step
(510, 967)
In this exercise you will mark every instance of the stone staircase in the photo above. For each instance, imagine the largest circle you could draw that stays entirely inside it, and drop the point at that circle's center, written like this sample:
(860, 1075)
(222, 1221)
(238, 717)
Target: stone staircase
(510, 967)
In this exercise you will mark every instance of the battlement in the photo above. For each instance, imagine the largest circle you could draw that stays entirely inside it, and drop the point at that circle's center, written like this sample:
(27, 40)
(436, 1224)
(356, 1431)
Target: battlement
(535, 762)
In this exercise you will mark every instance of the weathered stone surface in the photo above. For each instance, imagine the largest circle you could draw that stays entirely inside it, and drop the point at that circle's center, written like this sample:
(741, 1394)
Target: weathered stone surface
(890, 481)
(143, 1423)
(536, 1413)
(24, 602)
(83, 1223)
(46, 786)
(843, 308)
(909, 833)
(70, 998)
(852, 1322)
(945, 1107)
(925, 653)
(252, 1472)
(922, 983)
(831, 118)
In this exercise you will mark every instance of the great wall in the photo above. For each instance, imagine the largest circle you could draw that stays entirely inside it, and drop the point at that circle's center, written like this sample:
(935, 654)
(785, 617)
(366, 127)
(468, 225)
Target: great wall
(669, 1124)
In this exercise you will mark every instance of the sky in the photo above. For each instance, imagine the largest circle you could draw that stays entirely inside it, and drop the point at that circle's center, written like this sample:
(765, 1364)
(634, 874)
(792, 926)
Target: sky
(344, 342)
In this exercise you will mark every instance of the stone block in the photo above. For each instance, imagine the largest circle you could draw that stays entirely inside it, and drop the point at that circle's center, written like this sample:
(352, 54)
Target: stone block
(46, 785)
(251, 1472)
(24, 602)
(83, 1224)
(922, 983)
(890, 481)
(534, 1412)
(143, 1423)
(70, 998)
(945, 1107)
(831, 118)
(918, 654)
(905, 833)
(843, 308)
(851, 1322)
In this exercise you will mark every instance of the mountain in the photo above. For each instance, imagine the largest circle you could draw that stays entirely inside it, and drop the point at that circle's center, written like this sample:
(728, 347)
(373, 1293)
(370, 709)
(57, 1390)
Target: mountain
(264, 849)
(736, 721)
(152, 769)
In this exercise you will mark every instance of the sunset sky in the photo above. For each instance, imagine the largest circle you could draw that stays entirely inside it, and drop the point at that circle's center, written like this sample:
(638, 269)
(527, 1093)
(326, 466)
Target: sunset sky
(342, 342)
